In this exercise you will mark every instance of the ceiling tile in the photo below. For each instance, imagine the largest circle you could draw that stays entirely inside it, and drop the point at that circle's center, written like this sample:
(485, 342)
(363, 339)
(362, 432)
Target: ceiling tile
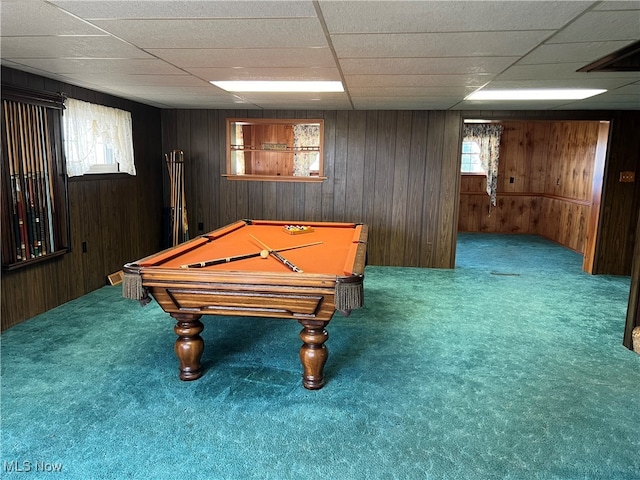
(446, 16)
(26, 18)
(618, 5)
(571, 52)
(202, 89)
(290, 74)
(149, 9)
(585, 82)
(428, 92)
(417, 80)
(566, 71)
(630, 89)
(425, 66)
(306, 101)
(416, 103)
(510, 105)
(188, 100)
(464, 44)
(68, 47)
(140, 80)
(150, 66)
(247, 57)
(260, 97)
(231, 33)
(601, 26)
(589, 104)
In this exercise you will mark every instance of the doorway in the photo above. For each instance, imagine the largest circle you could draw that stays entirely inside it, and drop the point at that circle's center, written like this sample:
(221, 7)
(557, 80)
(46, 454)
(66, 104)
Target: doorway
(550, 176)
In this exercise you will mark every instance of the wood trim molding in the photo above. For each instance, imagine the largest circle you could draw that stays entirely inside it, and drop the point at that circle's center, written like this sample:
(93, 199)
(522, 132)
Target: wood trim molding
(33, 97)
(633, 309)
(575, 201)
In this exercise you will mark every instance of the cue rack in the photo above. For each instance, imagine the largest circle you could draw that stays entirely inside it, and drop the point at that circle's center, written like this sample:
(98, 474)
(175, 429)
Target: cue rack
(34, 202)
(178, 221)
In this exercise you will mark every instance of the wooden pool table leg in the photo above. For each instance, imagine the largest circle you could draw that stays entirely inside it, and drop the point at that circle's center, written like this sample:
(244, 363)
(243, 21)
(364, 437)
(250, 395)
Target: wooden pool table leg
(189, 345)
(313, 353)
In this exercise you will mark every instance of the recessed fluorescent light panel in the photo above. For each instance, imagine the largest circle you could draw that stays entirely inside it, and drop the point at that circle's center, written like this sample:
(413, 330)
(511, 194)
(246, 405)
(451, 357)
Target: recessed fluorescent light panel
(279, 86)
(534, 94)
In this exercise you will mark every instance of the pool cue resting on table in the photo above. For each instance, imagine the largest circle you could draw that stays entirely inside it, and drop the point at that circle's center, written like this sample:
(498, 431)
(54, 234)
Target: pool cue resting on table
(276, 255)
(261, 253)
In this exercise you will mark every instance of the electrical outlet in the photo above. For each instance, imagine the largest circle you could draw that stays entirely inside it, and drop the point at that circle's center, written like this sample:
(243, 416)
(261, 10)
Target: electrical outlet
(627, 177)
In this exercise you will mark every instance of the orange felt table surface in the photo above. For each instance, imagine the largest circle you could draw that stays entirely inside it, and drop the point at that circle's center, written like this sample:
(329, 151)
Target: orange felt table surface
(334, 256)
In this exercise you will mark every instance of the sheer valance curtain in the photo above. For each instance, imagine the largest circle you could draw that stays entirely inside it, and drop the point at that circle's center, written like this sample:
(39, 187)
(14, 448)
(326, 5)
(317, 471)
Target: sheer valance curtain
(87, 126)
(487, 136)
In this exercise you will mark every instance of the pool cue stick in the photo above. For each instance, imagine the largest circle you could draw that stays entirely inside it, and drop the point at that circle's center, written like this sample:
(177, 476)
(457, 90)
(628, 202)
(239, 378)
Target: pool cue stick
(176, 169)
(33, 161)
(26, 179)
(48, 166)
(185, 222)
(43, 180)
(175, 199)
(27, 190)
(172, 200)
(26, 158)
(171, 196)
(22, 212)
(33, 182)
(176, 184)
(14, 197)
(277, 256)
(15, 239)
(218, 261)
(44, 226)
(180, 195)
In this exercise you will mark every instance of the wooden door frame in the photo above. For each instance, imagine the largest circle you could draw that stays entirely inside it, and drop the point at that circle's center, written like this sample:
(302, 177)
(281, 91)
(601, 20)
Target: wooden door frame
(593, 226)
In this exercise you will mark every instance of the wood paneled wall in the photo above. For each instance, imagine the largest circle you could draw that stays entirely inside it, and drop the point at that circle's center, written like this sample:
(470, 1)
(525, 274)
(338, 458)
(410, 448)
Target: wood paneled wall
(397, 171)
(544, 183)
(118, 217)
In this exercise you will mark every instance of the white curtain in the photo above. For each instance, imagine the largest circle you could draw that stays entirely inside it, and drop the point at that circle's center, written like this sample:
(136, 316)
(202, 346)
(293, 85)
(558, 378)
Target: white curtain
(86, 126)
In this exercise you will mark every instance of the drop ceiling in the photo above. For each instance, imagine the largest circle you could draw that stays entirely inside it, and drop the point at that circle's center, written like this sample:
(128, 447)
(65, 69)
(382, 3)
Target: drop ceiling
(388, 54)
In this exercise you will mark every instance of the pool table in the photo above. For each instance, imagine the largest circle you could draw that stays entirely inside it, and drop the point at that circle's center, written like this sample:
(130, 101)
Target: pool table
(263, 268)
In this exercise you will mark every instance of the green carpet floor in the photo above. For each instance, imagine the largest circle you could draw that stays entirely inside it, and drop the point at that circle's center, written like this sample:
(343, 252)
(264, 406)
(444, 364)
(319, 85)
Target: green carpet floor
(511, 366)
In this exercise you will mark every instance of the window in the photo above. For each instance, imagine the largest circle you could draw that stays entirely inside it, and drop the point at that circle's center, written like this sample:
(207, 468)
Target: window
(97, 139)
(486, 137)
(275, 149)
(471, 162)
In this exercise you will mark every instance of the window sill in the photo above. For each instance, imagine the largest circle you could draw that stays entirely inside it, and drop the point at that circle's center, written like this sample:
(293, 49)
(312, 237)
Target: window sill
(100, 176)
(273, 178)
(474, 174)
